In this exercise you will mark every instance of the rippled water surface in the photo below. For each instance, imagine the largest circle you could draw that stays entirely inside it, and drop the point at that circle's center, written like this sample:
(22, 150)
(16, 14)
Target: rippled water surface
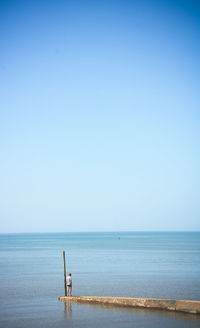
(162, 265)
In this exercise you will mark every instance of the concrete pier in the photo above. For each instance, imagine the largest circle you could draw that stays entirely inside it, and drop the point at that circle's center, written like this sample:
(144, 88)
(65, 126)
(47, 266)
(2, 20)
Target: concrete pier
(186, 306)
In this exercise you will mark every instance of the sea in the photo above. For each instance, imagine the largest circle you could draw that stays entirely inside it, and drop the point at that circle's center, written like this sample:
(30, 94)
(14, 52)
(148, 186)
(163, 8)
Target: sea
(129, 264)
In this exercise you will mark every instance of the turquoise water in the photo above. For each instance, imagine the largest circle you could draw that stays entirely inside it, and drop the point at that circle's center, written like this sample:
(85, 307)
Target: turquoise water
(160, 265)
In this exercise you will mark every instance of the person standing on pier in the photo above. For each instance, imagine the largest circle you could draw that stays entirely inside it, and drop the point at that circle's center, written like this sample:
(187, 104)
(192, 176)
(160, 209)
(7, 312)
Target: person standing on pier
(69, 284)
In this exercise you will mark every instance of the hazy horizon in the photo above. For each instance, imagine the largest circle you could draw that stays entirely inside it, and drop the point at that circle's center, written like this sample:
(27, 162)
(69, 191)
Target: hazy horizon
(106, 231)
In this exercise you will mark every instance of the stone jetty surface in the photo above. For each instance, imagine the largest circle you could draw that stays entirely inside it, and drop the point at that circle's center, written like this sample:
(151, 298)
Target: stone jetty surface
(187, 306)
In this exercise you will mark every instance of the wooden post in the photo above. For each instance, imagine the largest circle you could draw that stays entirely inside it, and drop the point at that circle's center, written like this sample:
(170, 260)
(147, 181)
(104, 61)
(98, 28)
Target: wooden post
(64, 268)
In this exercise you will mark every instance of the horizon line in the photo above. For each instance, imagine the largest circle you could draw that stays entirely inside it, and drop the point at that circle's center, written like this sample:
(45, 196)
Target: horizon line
(101, 231)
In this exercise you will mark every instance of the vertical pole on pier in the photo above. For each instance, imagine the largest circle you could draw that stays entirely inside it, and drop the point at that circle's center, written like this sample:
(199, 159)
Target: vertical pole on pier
(64, 268)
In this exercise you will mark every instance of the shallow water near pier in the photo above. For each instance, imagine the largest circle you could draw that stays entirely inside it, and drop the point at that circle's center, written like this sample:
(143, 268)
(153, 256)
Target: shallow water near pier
(139, 264)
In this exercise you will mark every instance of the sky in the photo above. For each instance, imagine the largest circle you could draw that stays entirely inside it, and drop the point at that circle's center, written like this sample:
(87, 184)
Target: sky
(99, 115)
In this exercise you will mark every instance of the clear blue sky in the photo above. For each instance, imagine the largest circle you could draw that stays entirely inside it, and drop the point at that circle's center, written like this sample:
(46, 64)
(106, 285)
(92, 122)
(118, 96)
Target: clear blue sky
(99, 115)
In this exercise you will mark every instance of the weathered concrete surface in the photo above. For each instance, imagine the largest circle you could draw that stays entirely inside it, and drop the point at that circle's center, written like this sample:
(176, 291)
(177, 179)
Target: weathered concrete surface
(151, 303)
(161, 304)
(188, 306)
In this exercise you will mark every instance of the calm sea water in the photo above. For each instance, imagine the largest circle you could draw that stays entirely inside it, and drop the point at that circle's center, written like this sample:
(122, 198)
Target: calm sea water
(140, 264)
